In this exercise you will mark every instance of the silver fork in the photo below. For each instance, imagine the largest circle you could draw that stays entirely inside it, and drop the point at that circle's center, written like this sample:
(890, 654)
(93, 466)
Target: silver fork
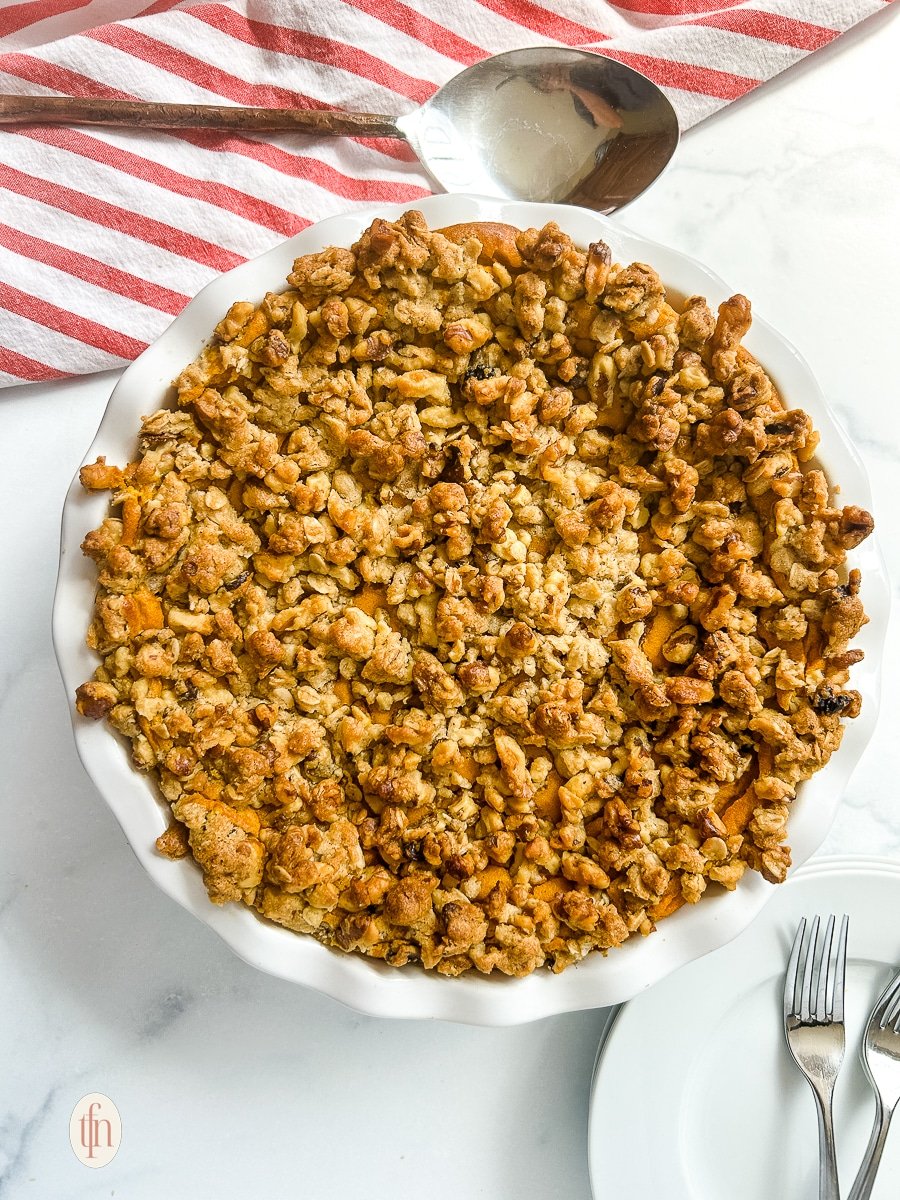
(881, 1059)
(814, 1027)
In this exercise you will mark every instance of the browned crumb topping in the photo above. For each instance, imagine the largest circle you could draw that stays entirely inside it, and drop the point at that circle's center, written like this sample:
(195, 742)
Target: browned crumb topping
(477, 605)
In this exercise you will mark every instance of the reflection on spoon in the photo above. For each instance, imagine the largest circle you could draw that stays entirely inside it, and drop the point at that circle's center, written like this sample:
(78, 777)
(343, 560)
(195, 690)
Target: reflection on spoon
(550, 78)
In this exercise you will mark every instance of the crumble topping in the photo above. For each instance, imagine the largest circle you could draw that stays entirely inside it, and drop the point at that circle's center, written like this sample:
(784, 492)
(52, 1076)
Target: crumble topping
(478, 604)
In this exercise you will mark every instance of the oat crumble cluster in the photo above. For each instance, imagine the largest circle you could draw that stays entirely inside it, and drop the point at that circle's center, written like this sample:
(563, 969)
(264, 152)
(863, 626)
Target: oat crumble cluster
(476, 605)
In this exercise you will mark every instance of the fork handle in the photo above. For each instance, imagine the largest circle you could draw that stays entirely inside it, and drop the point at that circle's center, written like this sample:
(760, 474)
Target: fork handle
(829, 1188)
(865, 1178)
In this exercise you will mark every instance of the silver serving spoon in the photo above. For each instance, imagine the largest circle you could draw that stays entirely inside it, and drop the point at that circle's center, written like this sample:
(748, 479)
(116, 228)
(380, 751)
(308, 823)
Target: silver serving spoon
(544, 123)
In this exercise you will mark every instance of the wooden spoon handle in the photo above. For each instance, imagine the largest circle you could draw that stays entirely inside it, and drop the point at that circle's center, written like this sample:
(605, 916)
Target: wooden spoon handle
(78, 110)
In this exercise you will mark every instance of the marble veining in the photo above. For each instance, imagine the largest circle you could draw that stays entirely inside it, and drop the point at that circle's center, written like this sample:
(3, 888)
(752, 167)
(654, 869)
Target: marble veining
(230, 1082)
(16, 1135)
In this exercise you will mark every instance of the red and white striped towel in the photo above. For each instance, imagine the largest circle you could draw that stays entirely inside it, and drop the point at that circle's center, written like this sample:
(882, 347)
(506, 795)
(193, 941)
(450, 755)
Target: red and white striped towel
(106, 234)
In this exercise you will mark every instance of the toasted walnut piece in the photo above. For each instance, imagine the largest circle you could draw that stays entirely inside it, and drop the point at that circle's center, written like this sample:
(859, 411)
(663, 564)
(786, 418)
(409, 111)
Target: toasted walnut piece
(633, 604)
(680, 646)
(577, 910)
(265, 647)
(555, 405)
(321, 274)
(722, 434)
(633, 291)
(596, 272)
(275, 349)
(173, 843)
(792, 430)
(519, 639)
(383, 461)
(368, 889)
(374, 348)
(476, 677)
(737, 690)
(685, 690)
(696, 323)
(556, 722)
(710, 824)
(855, 526)
(581, 869)
(447, 497)
(408, 901)
(544, 248)
(464, 924)
(335, 318)
(638, 671)
(436, 686)
(617, 823)
(354, 634)
(234, 320)
(98, 477)
(733, 322)
(181, 761)
(96, 700)
(465, 335)
(513, 765)
(384, 245)
(749, 388)
(713, 609)
(611, 506)
(774, 864)
(682, 480)
(494, 523)
(489, 593)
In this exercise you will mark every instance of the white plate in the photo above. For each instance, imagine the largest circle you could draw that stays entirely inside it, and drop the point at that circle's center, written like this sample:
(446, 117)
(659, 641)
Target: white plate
(694, 1095)
(363, 983)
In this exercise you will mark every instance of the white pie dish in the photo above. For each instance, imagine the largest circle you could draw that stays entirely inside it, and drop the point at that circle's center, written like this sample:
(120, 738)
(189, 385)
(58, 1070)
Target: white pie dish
(365, 984)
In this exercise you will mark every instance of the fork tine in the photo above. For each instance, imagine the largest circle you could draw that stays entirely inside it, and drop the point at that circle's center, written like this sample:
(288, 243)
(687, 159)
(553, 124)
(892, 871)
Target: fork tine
(837, 1005)
(826, 977)
(790, 975)
(889, 1003)
(807, 985)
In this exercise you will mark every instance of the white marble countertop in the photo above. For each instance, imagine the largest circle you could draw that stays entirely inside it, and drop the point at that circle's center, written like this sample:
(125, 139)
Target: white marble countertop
(231, 1083)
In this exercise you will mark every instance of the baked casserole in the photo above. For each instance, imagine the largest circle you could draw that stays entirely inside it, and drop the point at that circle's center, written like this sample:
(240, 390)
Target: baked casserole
(476, 604)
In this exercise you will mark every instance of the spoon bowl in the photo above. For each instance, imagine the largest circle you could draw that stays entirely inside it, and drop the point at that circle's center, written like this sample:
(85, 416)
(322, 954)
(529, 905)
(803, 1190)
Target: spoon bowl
(545, 123)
